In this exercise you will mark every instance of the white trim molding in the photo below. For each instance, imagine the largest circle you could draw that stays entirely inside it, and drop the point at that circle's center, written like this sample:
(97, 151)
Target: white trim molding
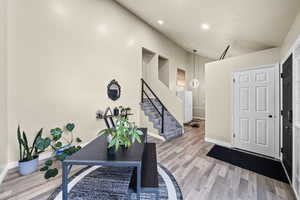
(42, 156)
(3, 173)
(218, 142)
(157, 136)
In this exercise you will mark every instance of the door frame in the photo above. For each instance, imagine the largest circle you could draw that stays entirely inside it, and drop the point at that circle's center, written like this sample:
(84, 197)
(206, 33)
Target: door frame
(289, 52)
(277, 115)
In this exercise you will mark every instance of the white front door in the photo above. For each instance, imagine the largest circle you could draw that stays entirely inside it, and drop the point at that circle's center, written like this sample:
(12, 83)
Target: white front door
(254, 109)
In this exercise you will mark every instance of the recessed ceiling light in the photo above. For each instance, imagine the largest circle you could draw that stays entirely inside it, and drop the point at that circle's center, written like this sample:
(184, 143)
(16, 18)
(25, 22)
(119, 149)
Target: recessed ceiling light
(205, 26)
(160, 22)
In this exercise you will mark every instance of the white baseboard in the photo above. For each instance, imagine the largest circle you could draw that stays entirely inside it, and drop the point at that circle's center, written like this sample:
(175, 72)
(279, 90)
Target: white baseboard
(42, 156)
(218, 142)
(290, 182)
(156, 136)
(15, 164)
(3, 173)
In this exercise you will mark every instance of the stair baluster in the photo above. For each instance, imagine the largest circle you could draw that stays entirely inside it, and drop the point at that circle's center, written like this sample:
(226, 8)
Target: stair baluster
(167, 124)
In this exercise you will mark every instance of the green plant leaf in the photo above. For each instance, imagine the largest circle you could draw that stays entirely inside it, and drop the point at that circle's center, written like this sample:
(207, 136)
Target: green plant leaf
(20, 143)
(43, 144)
(49, 163)
(27, 155)
(61, 157)
(58, 144)
(108, 131)
(51, 173)
(37, 137)
(139, 132)
(70, 126)
(138, 138)
(56, 133)
(69, 151)
(45, 168)
(78, 140)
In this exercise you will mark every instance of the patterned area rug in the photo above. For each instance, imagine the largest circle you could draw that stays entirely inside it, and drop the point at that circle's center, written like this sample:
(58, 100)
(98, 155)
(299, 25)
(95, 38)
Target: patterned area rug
(105, 183)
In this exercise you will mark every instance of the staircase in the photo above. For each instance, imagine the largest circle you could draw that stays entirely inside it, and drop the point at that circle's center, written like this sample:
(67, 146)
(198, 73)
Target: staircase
(167, 126)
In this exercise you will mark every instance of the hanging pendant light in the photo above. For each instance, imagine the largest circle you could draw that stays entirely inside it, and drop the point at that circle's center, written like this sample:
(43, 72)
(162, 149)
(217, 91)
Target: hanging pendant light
(194, 83)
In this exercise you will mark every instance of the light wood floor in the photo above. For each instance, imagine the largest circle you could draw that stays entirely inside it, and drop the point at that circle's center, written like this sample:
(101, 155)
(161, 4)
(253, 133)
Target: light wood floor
(200, 177)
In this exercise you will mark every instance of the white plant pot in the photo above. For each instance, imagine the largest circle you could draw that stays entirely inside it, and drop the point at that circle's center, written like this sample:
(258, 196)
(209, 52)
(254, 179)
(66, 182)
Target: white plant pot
(109, 138)
(28, 167)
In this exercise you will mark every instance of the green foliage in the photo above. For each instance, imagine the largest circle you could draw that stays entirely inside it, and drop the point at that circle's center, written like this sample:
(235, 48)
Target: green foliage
(28, 152)
(78, 140)
(56, 133)
(58, 144)
(70, 127)
(50, 173)
(48, 163)
(125, 134)
(62, 145)
(42, 144)
(45, 168)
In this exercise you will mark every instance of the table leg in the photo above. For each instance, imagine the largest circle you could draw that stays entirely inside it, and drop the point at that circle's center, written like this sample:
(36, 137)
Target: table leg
(69, 169)
(138, 181)
(65, 181)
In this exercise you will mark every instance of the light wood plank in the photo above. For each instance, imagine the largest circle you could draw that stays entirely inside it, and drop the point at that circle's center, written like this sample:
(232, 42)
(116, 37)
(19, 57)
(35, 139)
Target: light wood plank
(199, 176)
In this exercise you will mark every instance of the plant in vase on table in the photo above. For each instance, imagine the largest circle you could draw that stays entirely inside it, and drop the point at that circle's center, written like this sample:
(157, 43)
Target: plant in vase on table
(61, 143)
(123, 135)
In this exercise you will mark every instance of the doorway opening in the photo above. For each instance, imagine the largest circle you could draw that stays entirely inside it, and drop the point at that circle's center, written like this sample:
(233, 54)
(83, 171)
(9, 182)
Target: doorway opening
(287, 116)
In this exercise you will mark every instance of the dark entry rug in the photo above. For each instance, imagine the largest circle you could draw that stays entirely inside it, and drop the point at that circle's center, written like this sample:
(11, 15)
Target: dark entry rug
(260, 165)
(111, 183)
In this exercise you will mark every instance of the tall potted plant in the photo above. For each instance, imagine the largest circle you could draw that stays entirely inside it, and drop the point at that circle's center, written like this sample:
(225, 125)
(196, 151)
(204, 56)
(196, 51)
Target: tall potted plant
(29, 155)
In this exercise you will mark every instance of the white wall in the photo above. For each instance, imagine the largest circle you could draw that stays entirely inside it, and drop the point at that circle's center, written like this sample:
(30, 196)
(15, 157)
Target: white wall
(3, 114)
(62, 55)
(218, 87)
(198, 93)
(291, 37)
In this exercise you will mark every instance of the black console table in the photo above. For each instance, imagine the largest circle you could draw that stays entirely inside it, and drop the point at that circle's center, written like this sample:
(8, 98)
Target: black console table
(95, 153)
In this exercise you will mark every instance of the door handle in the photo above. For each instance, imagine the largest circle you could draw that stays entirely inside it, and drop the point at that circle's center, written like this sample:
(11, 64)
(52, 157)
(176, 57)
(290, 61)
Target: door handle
(270, 116)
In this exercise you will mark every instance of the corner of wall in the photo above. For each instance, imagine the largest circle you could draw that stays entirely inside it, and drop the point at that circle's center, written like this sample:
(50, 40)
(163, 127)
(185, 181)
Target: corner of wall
(3, 91)
(291, 37)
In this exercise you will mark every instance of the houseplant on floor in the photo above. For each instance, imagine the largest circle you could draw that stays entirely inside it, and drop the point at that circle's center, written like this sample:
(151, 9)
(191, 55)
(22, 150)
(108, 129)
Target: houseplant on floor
(62, 143)
(29, 155)
(123, 135)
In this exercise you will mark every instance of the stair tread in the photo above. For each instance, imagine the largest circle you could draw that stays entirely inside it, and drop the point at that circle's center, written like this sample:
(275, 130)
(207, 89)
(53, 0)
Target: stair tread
(172, 128)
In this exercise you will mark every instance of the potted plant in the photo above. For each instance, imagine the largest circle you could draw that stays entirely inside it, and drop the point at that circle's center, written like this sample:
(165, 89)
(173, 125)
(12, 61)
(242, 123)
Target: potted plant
(62, 144)
(123, 135)
(29, 155)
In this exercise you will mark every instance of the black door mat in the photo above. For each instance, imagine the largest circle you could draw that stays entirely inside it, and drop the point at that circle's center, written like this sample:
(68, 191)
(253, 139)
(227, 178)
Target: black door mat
(260, 165)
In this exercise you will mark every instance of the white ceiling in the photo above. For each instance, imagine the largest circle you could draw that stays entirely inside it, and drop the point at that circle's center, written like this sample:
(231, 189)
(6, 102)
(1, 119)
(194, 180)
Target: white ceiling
(247, 25)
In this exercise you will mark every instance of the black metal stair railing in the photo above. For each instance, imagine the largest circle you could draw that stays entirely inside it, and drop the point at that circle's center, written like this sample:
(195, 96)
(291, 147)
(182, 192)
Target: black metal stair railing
(163, 108)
